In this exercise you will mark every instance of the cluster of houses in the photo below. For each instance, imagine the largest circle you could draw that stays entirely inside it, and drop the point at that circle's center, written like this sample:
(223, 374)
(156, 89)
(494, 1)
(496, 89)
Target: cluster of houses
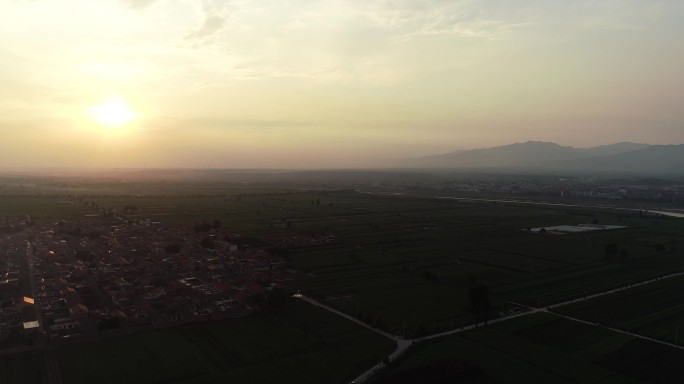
(568, 187)
(629, 192)
(11, 315)
(88, 279)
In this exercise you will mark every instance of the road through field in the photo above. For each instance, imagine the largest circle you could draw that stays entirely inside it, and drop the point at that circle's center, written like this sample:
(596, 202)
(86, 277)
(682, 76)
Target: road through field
(404, 344)
(603, 206)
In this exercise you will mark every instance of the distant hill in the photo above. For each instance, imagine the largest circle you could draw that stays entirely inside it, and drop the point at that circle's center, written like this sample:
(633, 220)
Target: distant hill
(526, 154)
(621, 157)
(656, 159)
(613, 149)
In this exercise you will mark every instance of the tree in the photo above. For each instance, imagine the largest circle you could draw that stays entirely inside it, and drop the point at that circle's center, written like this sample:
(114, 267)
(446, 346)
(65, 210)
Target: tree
(673, 245)
(84, 255)
(427, 275)
(208, 243)
(109, 324)
(278, 297)
(130, 209)
(173, 248)
(611, 250)
(216, 224)
(202, 227)
(479, 299)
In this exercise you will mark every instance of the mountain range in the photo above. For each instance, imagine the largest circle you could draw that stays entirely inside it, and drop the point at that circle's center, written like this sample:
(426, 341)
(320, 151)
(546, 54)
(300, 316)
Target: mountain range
(621, 157)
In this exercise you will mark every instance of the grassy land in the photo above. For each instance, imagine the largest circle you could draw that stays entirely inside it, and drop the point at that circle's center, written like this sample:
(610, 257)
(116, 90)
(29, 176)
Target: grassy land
(385, 245)
(44, 207)
(405, 262)
(540, 348)
(655, 310)
(300, 344)
(25, 368)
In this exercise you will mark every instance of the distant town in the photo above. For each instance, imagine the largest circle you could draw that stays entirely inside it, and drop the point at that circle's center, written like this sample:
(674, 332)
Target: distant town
(78, 281)
(221, 275)
(571, 187)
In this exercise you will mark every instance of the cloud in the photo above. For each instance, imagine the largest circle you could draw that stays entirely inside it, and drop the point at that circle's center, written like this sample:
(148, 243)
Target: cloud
(211, 25)
(214, 21)
(180, 123)
(408, 19)
(138, 4)
(262, 69)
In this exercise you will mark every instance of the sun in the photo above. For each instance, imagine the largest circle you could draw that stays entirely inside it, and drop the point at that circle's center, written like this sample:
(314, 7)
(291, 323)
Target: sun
(112, 113)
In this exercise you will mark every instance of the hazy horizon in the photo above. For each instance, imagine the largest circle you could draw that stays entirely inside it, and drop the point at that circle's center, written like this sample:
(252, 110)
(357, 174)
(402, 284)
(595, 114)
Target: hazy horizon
(329, 84)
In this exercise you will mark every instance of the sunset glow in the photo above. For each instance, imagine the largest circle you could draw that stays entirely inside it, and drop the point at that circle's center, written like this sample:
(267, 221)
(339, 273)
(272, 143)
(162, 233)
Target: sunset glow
(367, 83)
(113, 113)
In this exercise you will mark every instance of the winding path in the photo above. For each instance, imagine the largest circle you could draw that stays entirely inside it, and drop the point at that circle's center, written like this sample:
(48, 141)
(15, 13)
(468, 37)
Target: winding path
(404, 344)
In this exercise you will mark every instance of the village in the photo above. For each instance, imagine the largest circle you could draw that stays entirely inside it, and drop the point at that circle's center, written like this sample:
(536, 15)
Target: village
(565, 187)
(66, 280)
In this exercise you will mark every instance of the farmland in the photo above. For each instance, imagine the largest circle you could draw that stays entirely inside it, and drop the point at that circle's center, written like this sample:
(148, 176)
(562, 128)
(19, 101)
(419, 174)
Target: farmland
(25, 368)
(241, 350)
(383, 246)
(405, 264)
(46, 207)
(539, 348)
(654, 310)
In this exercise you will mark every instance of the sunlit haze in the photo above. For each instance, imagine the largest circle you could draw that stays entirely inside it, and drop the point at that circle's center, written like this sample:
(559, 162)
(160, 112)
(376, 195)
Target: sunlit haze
(323, 83)
(112, 113)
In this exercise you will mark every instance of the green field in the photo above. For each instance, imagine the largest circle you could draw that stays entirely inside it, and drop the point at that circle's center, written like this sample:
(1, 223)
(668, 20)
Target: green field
(382, 247)
(300, 344)
(405, 264)
(540, 348)
(44, 208)
(25, 368)
(655, 310)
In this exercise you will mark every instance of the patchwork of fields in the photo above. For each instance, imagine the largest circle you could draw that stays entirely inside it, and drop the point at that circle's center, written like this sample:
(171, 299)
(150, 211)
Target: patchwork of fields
(404, 264)
(407, 263)
(299, 344)
(654, 310)
(540, 348)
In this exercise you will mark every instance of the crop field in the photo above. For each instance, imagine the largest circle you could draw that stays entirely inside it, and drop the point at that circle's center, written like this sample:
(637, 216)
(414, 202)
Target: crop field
(407, 263)
(44, 207)
(25, 368)
(576, 283)
(377, 265)
(540, 348)
(655, 310)
(303, 344)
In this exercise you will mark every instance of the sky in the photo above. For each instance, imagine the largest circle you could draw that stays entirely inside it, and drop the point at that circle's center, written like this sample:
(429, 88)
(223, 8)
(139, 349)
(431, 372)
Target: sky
(330, 83)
